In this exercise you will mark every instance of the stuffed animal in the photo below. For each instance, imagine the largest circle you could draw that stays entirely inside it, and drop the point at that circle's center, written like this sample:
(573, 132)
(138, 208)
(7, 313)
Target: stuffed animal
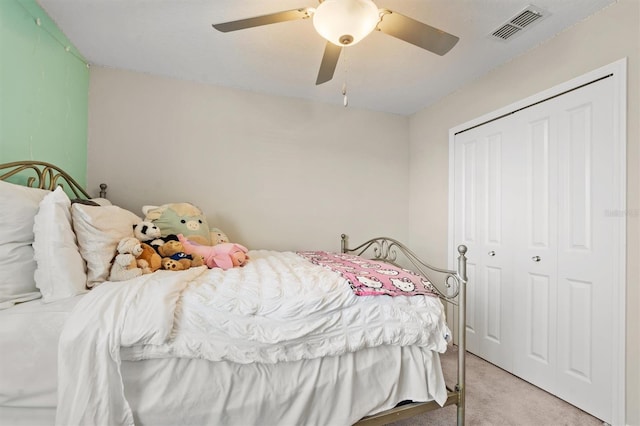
(146, 231)
(124, 266)
(149, 260)
(174, 257)
(183, 218)
(218, 237)
(224, 256)
(179, 218)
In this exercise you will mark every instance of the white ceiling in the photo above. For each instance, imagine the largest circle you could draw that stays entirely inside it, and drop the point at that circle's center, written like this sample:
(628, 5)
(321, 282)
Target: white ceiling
(174, 38)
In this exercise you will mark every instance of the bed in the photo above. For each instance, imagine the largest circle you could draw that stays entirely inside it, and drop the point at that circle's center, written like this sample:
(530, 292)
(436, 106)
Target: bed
(291, 338)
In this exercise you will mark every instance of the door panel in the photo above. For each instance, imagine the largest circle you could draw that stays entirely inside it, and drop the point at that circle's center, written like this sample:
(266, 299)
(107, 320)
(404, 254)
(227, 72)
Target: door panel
(493, 191)
(579, 181)
(493, 312)
(469, 190)
(538, 200)
(539, 340)
(579, 337)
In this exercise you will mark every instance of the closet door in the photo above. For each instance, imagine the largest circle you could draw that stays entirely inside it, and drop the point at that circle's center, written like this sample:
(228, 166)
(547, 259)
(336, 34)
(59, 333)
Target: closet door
(563, 309)
(483, 158)
(536, 247)
(586, 243)
(531, 196)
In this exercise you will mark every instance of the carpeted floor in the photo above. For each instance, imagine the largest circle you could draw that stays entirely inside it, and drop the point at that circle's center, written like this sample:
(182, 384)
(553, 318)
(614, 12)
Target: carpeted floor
(495, 397)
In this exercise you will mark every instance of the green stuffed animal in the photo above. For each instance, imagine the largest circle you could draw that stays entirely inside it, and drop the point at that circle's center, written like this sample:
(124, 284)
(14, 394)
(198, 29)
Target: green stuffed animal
(185, 219)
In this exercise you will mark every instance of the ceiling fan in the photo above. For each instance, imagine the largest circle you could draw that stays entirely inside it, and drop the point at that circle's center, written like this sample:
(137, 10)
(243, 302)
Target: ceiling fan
(346, 22)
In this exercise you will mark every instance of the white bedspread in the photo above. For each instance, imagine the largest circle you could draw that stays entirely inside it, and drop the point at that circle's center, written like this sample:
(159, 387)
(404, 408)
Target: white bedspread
(28, 357)
(279, 307)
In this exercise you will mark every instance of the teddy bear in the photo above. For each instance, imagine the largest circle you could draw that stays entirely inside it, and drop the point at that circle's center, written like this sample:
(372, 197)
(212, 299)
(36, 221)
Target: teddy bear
(175, 259)
(149, 235)
(183, 218)
(218, 237)
(148, 260)
(224, 255)
(124, 266)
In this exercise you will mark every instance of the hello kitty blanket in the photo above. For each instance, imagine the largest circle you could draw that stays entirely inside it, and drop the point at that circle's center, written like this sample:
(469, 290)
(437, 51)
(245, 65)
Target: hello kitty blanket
(277, 308)
(370, 277)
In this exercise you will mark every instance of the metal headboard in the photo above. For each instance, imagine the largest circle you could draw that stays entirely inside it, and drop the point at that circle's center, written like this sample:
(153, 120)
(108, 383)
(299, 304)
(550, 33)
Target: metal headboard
(39, 174)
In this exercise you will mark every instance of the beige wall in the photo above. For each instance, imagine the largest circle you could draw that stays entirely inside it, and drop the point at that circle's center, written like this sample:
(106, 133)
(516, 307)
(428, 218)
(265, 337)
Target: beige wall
(271, 172)
(603, 38)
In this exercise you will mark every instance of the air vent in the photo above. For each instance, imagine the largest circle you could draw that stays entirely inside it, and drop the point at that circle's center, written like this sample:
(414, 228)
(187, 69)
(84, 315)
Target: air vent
(519, 22)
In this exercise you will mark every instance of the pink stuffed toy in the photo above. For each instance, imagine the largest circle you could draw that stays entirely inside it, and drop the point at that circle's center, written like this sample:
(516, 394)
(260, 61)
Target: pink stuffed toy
(224, 256)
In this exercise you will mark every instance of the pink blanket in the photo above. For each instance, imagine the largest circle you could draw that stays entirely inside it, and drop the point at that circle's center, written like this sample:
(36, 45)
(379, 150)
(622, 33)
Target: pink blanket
(370, 277)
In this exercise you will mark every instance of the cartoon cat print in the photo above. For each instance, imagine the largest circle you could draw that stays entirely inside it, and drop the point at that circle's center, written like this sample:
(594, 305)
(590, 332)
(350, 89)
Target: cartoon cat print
(371, 282)
(404, 284)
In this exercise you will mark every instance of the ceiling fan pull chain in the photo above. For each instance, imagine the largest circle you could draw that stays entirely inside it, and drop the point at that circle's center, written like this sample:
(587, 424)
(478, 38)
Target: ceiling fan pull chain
(344, 94)
(345, 100)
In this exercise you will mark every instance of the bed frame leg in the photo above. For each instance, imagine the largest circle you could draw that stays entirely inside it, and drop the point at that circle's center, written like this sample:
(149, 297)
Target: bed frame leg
(462, 331)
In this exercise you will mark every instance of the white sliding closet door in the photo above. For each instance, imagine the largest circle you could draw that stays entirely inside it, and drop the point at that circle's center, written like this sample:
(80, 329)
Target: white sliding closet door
(531, 192)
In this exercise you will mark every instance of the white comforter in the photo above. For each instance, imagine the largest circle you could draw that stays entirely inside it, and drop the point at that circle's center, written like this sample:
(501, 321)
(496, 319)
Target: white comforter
(278, 308)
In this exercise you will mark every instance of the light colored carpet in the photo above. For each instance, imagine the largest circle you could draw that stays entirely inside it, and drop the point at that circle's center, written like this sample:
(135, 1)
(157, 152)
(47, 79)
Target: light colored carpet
(496, 397)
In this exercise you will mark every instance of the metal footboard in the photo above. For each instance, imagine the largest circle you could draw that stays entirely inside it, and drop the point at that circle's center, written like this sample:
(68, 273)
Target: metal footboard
(452, 289)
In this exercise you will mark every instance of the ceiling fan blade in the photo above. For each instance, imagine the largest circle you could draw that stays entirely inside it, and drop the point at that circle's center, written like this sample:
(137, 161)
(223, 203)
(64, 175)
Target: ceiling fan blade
(272, 18)
(415, 32)
(329, 62)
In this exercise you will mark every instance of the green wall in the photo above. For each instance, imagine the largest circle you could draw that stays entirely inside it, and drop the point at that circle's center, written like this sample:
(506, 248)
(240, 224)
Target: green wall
(43, 91)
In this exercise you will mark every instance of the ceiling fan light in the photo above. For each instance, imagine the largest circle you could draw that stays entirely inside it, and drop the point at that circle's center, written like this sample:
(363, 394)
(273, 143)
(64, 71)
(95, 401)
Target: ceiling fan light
(345, 22)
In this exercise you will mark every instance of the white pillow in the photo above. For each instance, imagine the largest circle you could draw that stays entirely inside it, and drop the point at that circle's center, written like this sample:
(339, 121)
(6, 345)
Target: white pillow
(60, 273)
(18, 207)
(98, 230)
